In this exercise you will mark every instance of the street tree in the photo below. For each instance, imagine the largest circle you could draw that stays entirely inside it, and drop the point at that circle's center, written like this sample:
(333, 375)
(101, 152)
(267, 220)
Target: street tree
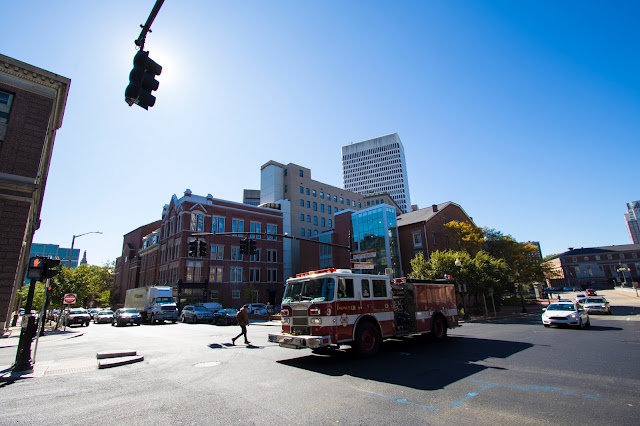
(466, 236)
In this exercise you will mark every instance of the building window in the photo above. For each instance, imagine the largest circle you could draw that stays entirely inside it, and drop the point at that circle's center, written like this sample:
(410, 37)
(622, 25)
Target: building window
(417, 239)
(272, 229)
(322, 222)
(621, 255)
(308, 204)
(217, 252)
(272, 275)
(272, 256)
(215, 274)
(301, 190)
(308, 191)
(6, 99)
(330, 223)
(321, 194)
(433, 235)
(321, 208)
(217, 224)
(335, 198)
(609, 257)
(235, 253)
(301, 173)
(359, 205)
(301, 202)
(634, 255)
(328, 209)
(197, 222)
(315, 220)
(328, 196)
(255, 257)
(348, 201)
(309, 218)
(254, 275)
(194, 270)
(315, 206)
(257, 228)
(341, 200)
(302, 232)
(315, 232)
(235, 294)
(313, 193)
(236, 274)
(597, 257)
(237, 225)
(301, 217)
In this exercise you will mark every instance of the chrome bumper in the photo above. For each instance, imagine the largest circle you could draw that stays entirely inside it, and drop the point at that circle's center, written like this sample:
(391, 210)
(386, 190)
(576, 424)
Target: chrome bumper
(300, 342)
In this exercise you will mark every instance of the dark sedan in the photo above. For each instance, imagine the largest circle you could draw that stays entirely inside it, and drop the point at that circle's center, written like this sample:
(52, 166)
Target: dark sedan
(126, 316)
(225, 316)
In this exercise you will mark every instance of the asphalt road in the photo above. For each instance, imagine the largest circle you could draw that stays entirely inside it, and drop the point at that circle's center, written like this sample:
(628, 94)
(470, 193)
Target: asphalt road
(504, 371)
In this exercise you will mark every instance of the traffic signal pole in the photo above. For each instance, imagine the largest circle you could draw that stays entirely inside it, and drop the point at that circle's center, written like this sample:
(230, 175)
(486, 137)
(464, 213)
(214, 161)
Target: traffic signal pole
(23, 356)
(146, 28)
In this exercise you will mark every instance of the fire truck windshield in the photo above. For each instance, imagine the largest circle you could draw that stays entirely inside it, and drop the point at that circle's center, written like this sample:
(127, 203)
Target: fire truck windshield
(317, 290)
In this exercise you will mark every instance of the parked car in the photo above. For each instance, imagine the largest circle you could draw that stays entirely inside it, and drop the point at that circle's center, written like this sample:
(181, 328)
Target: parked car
(225, 316)
(591, 292)
(258, 308)
(196, 314)
(75, 316)
(124, 316)
(577, 289)
(93, 311)
(597, 304)
(567, 288)
(103, 315)
(565, 313)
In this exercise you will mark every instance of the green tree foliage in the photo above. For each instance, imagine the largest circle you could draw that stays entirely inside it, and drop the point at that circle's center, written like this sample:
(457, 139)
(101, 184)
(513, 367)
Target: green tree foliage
(466, 236)
(38, 295)
(88, 282)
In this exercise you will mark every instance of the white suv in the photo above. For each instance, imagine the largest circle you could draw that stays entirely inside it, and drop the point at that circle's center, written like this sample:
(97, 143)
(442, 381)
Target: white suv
(257, 308)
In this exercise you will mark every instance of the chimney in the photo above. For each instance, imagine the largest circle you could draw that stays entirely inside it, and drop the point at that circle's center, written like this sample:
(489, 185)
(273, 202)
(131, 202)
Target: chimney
(435, 208)
(414, 207)
(187, 192)
(570, 248)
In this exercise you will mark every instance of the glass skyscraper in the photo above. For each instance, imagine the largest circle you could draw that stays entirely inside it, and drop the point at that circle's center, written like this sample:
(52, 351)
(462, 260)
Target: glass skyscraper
(374, 241)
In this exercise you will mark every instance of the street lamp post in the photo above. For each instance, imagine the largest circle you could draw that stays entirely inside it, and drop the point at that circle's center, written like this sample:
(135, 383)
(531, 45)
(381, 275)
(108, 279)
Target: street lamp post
(462, 289)
(73, 242)
(520, 289)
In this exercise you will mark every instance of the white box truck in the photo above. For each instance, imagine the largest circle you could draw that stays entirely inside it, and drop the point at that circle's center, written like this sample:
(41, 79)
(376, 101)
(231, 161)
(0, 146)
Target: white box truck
(153, 303)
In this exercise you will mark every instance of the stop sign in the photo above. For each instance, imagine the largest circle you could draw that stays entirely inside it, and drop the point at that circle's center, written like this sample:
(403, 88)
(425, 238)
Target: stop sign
(69, 299)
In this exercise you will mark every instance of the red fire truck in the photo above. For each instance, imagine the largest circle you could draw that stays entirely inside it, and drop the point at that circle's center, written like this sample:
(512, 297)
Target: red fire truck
(332, 307)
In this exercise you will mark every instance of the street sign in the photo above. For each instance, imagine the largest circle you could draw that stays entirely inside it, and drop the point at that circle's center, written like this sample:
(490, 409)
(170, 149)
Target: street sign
(69, 299)
(362, 265)
(363, 255)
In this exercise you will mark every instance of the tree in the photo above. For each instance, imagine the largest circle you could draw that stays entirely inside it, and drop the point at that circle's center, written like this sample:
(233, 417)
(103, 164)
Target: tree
(467, 236)
(88, 282)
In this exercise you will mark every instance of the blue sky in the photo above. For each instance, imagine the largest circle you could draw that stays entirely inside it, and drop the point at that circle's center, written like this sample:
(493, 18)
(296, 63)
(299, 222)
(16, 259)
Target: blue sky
(527, 114)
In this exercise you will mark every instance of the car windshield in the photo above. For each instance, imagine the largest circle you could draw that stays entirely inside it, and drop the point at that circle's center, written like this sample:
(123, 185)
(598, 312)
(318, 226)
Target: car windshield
(228, 311)
(594, 300)
(319, 289)
(105, 313)
(201, 309)
(164, 299)
(561, 307)
(128, 311)
(77, 311)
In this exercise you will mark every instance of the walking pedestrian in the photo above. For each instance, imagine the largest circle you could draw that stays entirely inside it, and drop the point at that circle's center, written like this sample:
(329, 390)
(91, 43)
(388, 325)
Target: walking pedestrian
(243, 322)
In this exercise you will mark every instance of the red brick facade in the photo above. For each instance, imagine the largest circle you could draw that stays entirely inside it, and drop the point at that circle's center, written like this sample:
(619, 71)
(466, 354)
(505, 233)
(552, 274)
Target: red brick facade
(221, 276)
(32, 102)
(427, 225)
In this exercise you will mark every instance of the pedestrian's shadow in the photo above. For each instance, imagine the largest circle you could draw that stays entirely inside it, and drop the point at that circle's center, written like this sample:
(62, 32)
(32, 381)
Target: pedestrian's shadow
(230, 345)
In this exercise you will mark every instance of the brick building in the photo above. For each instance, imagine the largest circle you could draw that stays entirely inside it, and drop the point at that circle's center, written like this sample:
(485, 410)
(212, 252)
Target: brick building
(597, 267)
(128, 265)
(219, 273)
(32, 104)
(423, 231)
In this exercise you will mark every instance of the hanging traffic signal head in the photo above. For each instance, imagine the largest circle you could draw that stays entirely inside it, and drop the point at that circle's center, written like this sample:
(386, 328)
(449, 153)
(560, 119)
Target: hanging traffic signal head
(48, 289)
(142, 81)
(244, 246)
(193, 248)
(51, 268)
(203, 249)
(252, 247)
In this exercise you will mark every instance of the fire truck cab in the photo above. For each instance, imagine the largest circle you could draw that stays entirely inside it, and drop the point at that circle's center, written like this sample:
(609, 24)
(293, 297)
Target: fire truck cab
(333, 307)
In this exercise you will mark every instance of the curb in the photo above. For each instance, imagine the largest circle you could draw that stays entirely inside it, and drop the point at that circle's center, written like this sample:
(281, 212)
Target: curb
(118, 361)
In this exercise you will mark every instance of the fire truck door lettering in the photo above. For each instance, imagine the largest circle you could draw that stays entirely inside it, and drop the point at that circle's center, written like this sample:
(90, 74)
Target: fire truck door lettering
(344, 320)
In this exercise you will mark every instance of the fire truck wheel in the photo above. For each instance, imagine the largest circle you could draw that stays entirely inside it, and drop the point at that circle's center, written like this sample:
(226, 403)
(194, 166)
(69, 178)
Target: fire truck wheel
(368, 340)
(438, 328)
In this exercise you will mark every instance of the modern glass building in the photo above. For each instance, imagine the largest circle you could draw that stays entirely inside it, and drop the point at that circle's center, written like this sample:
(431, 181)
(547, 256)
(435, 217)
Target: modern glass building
(374, 241)
(54, 251)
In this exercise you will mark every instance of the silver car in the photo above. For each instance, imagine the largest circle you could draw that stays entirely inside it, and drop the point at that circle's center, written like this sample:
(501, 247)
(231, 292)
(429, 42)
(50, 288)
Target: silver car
(565, 313)
(597, 304)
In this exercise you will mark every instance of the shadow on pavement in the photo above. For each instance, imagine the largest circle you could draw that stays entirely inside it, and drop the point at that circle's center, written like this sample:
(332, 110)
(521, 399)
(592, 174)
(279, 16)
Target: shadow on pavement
(413, 363)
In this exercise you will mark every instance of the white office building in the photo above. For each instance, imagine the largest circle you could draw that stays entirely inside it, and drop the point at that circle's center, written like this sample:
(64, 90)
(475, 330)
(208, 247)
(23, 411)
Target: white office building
(377, 165)
(632, 216)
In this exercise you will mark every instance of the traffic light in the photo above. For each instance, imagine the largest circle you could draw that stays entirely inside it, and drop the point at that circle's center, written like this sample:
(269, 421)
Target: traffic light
(142, 81)
(252, 247)
(244, 246)
(193, 248)
(51, 268)
(36, 264)
(203, 249)
(48, 290)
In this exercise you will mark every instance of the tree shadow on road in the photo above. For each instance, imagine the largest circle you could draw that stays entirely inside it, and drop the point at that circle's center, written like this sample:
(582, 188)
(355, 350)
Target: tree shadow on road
(412, 363)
